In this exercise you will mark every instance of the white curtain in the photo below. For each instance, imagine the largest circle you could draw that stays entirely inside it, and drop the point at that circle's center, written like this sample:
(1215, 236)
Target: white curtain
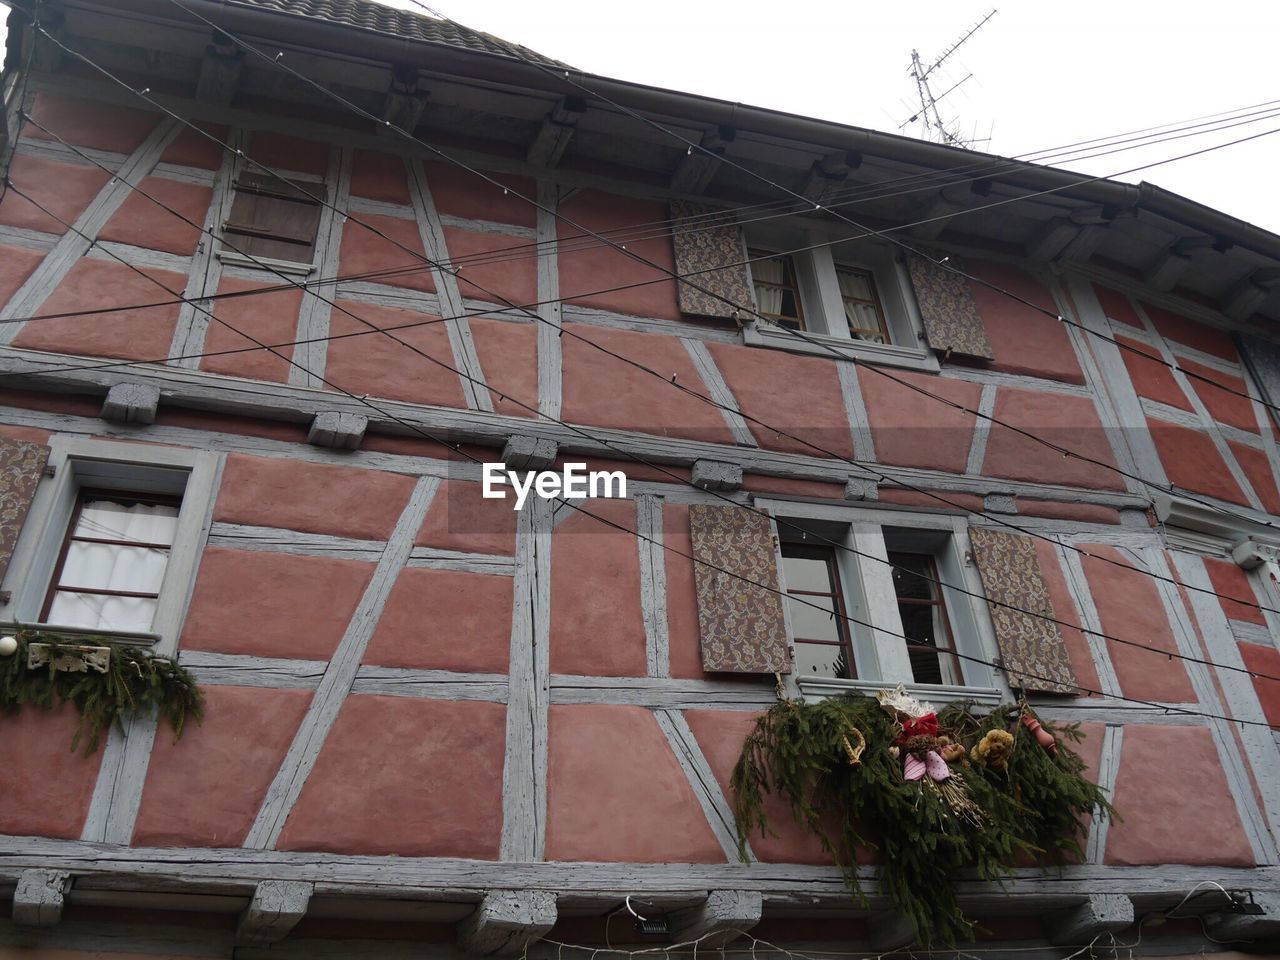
(763, 273)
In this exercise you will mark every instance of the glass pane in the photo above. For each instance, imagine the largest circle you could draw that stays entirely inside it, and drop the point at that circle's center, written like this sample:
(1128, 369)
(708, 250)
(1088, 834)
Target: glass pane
(814, 624)
(863, 320)
(820, 660)
(768, 270)
(139, 522)
(107, 566)
(912, 575)
(806, 573)
(857, 285)
(102, 613)
(924, 624)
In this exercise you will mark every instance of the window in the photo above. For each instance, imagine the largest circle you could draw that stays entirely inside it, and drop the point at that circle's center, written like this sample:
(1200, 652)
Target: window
(924, 619)
(812, 577)
(273, 219)
(777, 288)
(112, 562)
(862, 310)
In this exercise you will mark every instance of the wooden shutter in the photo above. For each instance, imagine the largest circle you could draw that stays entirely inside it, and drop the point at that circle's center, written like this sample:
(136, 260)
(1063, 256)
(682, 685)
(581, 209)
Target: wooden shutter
(273, 218)
(952, 323)
(1262, 357)
(742, 625)
(700, 248)
(1034, 654)
(21, 467)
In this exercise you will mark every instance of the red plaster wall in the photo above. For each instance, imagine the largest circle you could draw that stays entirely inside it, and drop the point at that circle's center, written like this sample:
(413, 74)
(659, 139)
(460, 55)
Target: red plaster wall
(406, 777)
(683, 637)
(799, 488)
(912, 430)
(269, 318)
(1164, 822)
(947, 500)
(414, 363)
(146, 223)
(1117, 306)
(273, 604)
(445, 620)
(193, 149)
(1232, 586)
(46, 787)
(1069, 422)
(205, 789)
(64, 189)
(1264, 661)
(1065, 610)
(90, 123)
(597, 627)
(346, 501)
(376, 243)
(508, 355)
(1223, 405)
(799, 395)
(1191, 333)
(461, 519)
(1130, 608)
(379, 176)
(16, 264)
(616, 793)
(510, 279)
(245, 426)
(1083, 512)
(289, 153)
(1151, 378)
(1023, 340)
(460, 193)
(140, 334)
(591, 266)
(604, 391)
(720, 734)
(1192, 462)
(1257, 470)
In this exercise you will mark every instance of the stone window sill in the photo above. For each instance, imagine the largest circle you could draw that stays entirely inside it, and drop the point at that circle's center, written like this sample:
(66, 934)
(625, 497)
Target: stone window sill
(887, 354)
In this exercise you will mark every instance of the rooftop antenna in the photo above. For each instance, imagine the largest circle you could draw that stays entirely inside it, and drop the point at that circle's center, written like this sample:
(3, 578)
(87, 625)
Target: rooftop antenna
(932, 126)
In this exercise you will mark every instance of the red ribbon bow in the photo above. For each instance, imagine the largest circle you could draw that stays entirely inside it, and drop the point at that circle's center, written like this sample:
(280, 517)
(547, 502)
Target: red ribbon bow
(923, 726)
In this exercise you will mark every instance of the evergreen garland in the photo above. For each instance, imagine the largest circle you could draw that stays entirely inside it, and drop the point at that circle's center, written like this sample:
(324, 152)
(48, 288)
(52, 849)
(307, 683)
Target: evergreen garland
(1032, 809)
(135, 681)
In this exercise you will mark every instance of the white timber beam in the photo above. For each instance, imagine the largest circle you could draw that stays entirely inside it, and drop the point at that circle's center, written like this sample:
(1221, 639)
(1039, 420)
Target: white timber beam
(723, 917)
(1243, 926)
(557, 129)
(1167, 269)
(1250, 293)
(829, 173)
(529, 453)
(39, 896)
(717, 475)
(1100, 914)
(337, 429)
(275, 909)
(505, 922)
(220, 71)
(698, 167)
(131, 403)
(1051, 240)
(404, 101)
(936, 213)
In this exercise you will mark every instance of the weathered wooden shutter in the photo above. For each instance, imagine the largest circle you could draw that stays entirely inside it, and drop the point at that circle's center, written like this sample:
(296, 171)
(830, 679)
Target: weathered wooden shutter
(952, 323)
(742, 625)
(1262, 357)
(272, 218)
(1032, 648)
(21, 467)
(699, 249)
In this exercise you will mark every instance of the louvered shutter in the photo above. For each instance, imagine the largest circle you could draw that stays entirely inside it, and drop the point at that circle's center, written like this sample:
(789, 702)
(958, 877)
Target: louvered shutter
(952, 323)
(1032, 648)
(1262, 357)
(21, 467)
(699, 249)
(742, 625)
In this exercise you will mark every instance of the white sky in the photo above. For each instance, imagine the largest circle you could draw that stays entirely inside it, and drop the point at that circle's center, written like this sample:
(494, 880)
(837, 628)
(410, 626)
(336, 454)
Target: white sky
(1044, 74)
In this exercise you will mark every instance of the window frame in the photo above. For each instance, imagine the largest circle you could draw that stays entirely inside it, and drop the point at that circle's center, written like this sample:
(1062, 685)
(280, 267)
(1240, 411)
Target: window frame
(881, 659)
(79, 463)
(830, 556)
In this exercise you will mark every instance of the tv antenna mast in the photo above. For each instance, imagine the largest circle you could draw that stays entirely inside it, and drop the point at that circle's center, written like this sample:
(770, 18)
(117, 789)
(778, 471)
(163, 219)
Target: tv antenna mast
(932, 126)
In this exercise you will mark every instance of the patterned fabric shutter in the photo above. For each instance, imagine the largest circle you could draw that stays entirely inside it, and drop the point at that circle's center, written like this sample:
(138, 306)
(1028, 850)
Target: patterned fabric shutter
(1034, 653)
(951, 320)
(21, 467)
(699, 249)
(1262, 357)
(742, 625)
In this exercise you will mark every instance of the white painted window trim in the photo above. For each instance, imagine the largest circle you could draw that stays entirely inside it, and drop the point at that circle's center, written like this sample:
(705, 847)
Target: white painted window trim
(869, 596)
(1197, 528)
(127, 467)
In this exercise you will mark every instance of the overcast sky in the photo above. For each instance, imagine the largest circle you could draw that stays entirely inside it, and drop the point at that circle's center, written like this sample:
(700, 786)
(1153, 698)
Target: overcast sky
(1044, 74)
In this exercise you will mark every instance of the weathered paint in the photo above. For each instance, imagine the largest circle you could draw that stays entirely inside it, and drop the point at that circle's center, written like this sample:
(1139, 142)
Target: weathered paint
(1150, 377)
(434, 767)
(910, 429)
(1235, 593)
(1064, 609)
(503, 270)
(345, 501)
(133, 334)
(461, 519)
(143, 222)
(461, 193)
(64, 189)
(616, 793)
(46, 785)
(1164, 822)
(587, 267)
(603, 391)
(1071, 423)
(196, 148)
(16, 264)
(411, 362)
(379, 176)
(1023, 339)
(592, 561)
(508, 355)
(268, 318)
(1192, 333)
(1224, 396)
(795, 488)
(204, 789)
(445, 620)
(1130, 608)
(287, 152)
(810, 407)
(273, 604)
(373, 244)
(225, 423)
(89, 123)
(947, 500)
(1192, 462)
(1057, 510)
